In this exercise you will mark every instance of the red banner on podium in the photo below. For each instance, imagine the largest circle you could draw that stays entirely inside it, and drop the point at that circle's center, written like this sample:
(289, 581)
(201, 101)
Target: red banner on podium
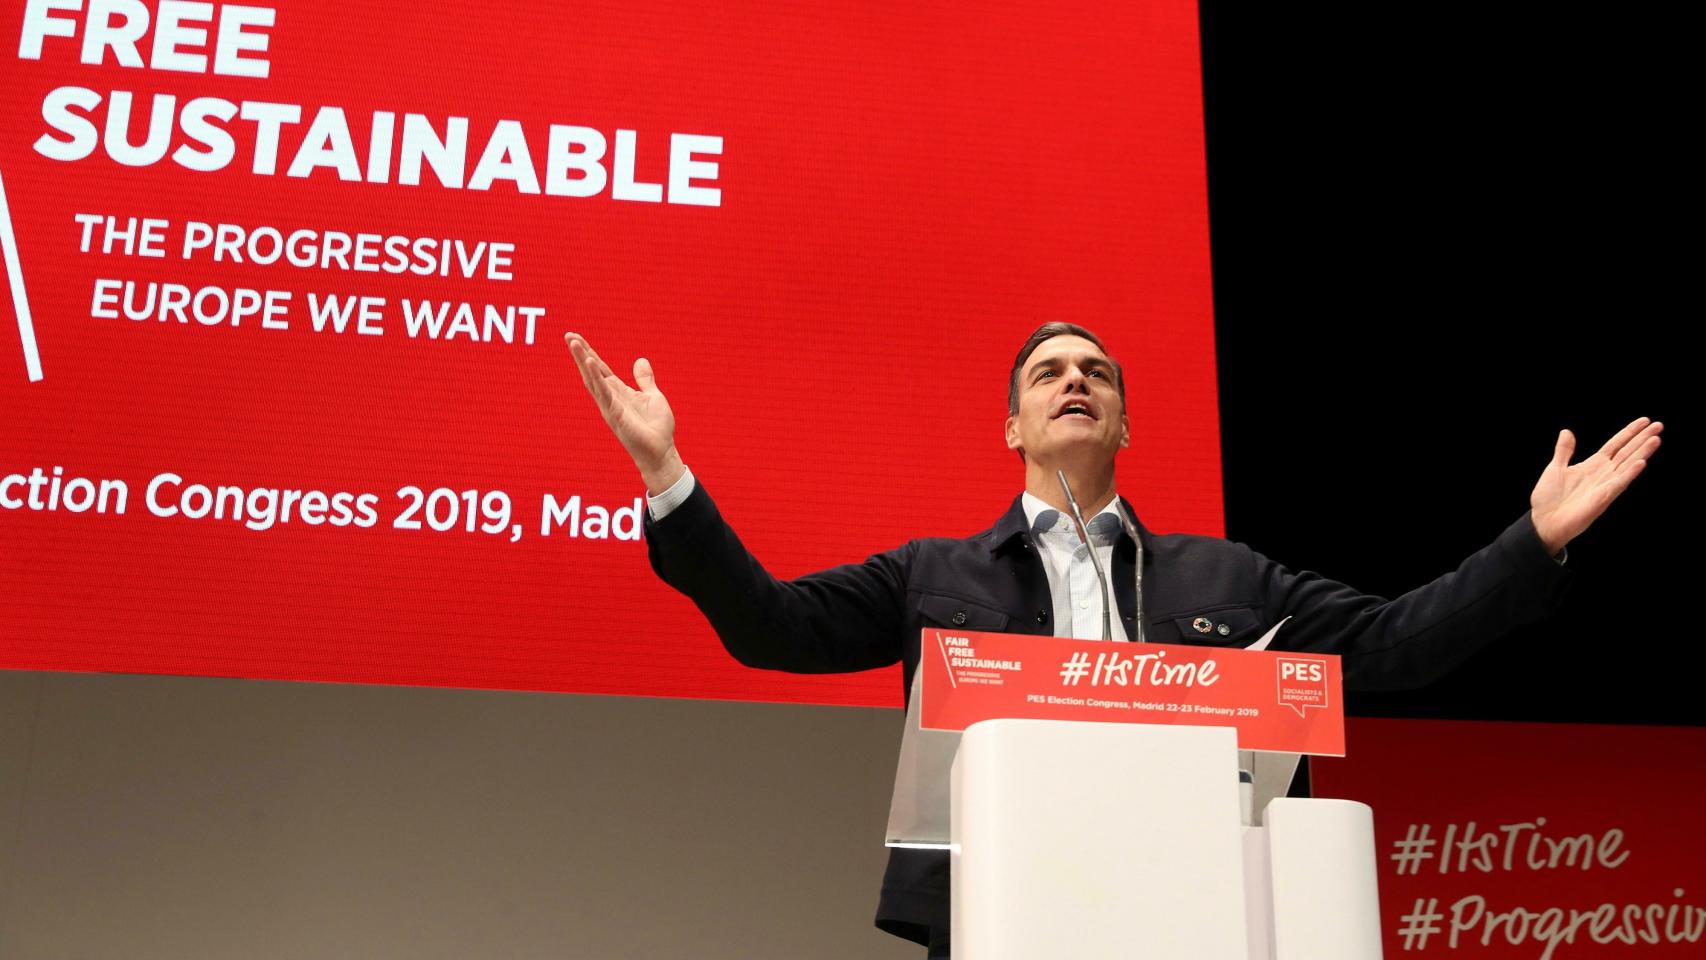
(1281, 702)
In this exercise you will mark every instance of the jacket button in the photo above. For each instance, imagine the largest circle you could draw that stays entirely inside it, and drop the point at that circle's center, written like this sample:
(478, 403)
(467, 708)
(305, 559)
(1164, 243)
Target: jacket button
(1202, 624)
(959, 617)
(1223, 629)
(1042, 616)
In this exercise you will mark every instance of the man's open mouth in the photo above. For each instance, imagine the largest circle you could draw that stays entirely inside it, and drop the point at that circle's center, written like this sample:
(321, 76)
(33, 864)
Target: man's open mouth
(1075, 409)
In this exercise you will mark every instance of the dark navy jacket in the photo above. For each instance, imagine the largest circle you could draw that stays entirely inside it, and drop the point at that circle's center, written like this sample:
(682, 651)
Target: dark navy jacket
(868, 615)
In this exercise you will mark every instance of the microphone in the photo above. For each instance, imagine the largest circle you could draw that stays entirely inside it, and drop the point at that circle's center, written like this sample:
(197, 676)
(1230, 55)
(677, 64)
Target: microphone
(1137, 587)
(1095, 560)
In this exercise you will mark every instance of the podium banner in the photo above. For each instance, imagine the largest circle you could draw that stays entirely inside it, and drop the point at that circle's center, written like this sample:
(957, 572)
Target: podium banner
(1278, 701)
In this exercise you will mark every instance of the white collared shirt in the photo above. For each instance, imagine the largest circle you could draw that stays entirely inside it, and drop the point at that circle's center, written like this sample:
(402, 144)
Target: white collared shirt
(665, 503)
(1072, 582)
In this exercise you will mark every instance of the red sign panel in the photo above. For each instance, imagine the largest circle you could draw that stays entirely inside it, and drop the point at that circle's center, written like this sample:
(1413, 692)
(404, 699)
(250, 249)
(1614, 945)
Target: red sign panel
(1289, 703)
(283, 390)
(1523, 841)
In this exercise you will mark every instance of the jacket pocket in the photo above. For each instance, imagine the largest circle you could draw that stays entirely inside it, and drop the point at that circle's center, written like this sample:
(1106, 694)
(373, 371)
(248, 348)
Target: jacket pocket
(954, 613)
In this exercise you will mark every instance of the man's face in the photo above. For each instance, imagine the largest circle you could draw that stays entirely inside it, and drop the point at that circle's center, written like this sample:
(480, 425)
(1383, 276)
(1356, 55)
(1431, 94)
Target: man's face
(1069, 404)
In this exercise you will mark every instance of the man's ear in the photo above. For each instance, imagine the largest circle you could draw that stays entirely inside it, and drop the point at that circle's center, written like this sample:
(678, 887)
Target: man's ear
(1013, 435)
(1125, 431)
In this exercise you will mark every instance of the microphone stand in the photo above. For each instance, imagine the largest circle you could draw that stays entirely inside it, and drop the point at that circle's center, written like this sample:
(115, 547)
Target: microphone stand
(1095, 560)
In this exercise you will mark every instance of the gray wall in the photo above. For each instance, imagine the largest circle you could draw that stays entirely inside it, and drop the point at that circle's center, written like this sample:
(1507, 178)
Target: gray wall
(164, 817)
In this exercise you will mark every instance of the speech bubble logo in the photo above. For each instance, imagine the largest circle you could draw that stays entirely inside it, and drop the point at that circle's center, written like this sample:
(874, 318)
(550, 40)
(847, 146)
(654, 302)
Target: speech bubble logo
(1302, 683)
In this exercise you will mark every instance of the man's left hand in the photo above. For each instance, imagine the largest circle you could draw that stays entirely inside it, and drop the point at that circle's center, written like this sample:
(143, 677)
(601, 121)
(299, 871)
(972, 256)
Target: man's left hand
(1569, 498)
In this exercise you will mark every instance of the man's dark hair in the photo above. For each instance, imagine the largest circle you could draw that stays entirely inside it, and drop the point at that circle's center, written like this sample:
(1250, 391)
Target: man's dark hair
(1048, 331)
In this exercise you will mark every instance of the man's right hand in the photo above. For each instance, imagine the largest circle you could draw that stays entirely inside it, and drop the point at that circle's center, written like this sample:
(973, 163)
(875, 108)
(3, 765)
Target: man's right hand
(641, 419)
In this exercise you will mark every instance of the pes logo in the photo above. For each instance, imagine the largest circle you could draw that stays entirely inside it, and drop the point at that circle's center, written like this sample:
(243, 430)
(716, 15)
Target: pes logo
(1302, 683)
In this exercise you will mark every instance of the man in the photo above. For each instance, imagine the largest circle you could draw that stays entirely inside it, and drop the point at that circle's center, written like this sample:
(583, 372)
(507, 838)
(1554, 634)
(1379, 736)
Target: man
(1030, 573)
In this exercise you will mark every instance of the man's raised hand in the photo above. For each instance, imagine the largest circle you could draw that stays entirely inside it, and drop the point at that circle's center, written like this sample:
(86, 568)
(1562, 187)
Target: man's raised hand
(640, 418)
(1569, 498)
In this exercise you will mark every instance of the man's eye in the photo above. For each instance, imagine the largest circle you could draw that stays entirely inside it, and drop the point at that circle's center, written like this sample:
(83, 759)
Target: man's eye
(1097, 373)
(1044, 373)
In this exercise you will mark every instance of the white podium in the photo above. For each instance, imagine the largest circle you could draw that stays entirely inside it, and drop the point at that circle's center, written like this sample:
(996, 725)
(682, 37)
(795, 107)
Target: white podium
(1107, 840)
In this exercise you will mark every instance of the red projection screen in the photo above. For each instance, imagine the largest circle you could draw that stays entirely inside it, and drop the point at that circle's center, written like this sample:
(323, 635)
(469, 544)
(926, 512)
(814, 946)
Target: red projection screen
(321, 256)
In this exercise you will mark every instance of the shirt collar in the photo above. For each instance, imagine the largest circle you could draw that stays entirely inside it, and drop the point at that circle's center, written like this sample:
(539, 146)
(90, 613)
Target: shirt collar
(1016, 524)
(1034, 507)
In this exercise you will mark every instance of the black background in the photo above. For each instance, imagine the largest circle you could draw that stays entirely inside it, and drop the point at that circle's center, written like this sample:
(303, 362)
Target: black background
(1438, 238)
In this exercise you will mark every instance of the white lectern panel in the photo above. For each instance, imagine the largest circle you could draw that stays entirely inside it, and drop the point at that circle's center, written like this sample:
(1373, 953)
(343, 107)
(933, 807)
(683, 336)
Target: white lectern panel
(1095, 841)
(1326, 902)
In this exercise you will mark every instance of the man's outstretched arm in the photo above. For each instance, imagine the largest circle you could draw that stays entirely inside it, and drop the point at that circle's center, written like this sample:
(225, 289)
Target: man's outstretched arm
(1420, 636)
(842, 619)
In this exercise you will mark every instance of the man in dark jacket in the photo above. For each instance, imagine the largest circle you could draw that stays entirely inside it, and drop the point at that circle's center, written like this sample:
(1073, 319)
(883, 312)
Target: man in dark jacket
(1030, 573)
